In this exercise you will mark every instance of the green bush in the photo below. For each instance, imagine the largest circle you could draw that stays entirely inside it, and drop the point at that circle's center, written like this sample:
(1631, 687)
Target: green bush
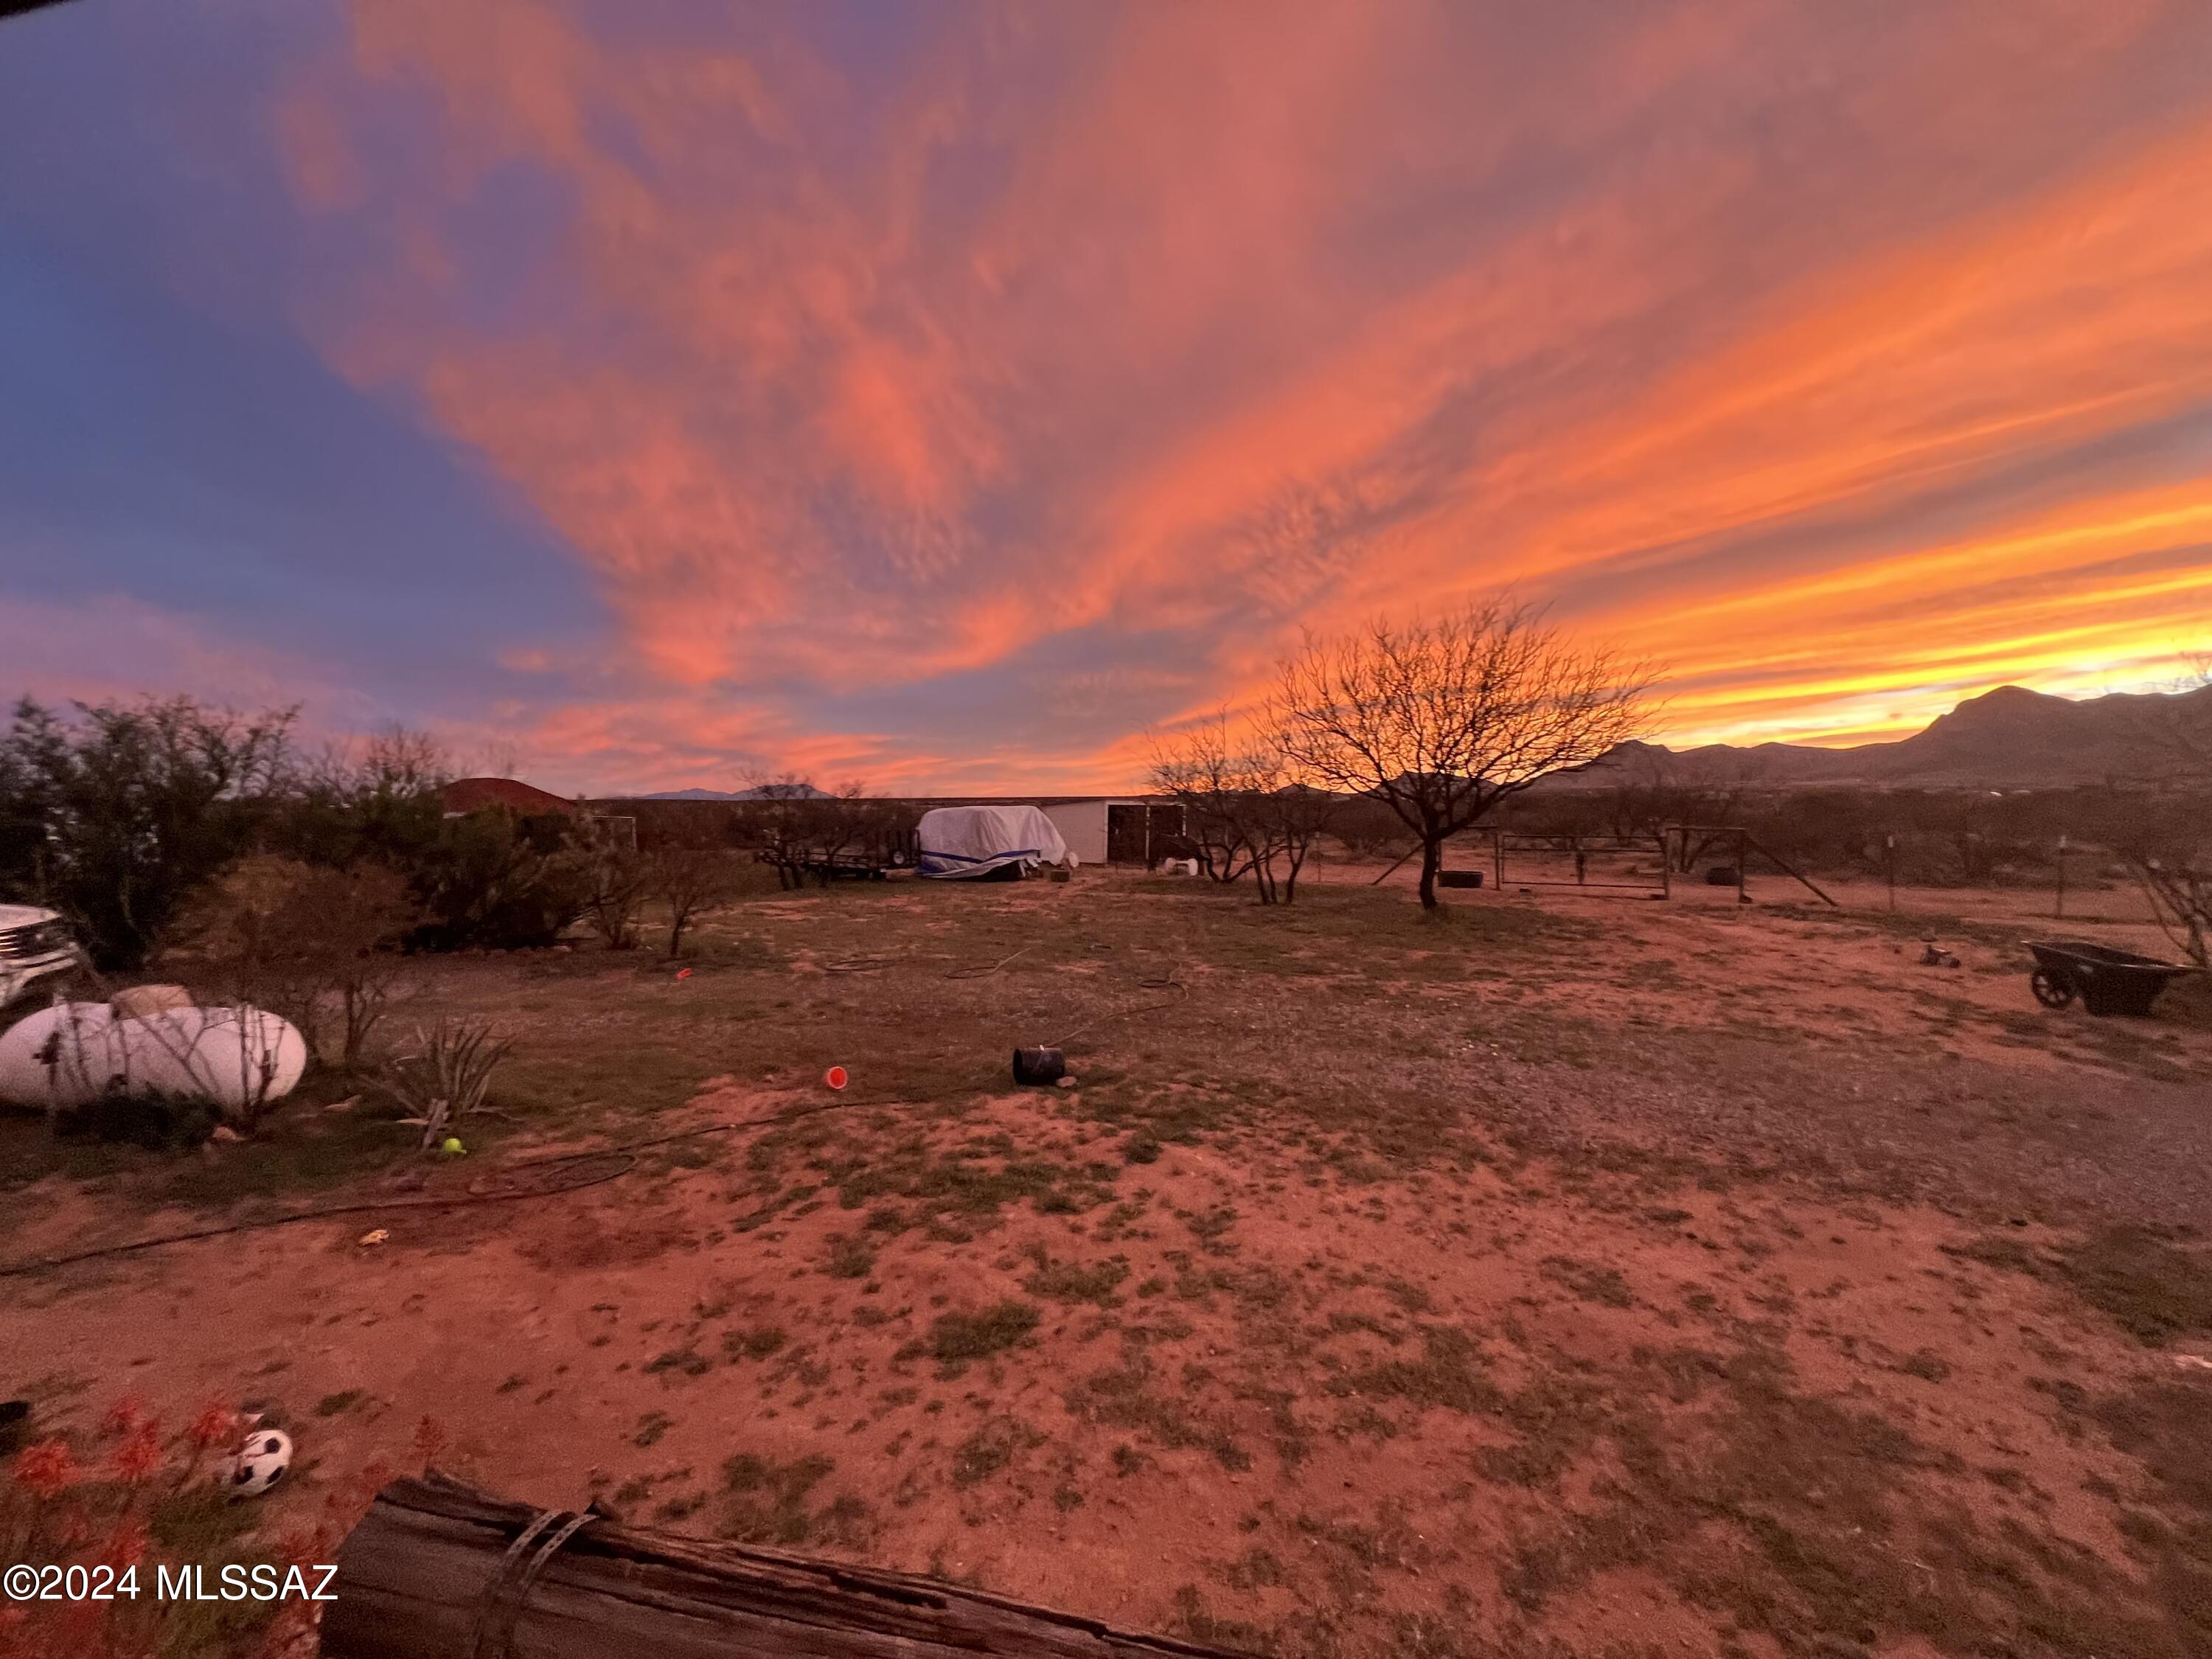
(116, 815)
(495, 882)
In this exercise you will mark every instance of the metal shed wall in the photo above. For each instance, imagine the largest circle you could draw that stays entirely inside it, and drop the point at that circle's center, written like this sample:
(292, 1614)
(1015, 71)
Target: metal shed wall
(1082, 825)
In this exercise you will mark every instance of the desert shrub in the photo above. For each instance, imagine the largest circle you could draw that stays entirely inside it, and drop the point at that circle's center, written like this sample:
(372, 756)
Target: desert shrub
(961, 1336)
(116, 815)
(149, 1121)
(489, 880)
(381, 804)
(495, 881)
(1943, 837)
(309, 942)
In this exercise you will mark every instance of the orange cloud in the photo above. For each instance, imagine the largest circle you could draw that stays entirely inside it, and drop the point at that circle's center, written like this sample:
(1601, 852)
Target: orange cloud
(1828, 358)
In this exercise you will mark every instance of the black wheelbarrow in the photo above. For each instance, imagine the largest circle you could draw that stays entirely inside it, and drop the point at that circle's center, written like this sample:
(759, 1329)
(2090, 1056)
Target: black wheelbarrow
(2108, 981)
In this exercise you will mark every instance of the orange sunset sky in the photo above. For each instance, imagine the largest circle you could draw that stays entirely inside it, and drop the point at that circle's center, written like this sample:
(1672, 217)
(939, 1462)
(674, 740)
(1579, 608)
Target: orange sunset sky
(945, 395)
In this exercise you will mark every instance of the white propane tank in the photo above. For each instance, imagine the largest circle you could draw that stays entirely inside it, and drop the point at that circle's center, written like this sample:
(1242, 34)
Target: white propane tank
(74, 1053)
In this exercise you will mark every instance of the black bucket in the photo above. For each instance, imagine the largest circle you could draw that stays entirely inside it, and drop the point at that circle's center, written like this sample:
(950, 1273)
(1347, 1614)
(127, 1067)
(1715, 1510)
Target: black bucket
(1040, 1067)
(1723, 875)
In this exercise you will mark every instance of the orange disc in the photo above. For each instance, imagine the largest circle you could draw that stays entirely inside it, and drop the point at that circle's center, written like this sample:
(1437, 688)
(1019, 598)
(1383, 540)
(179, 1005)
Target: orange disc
(834, 1076)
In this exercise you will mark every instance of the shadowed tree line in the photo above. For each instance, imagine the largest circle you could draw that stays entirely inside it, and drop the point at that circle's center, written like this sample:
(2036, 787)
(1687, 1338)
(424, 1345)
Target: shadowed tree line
(2152, 827)
(166, 824)
(125, 818)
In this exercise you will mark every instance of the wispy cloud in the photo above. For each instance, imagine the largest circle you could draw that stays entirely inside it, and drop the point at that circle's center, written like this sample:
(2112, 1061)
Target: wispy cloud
(951, 407)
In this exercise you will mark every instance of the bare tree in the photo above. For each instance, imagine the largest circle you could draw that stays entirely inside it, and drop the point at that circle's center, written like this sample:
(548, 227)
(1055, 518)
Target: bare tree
(308, 942)
(499, 757)
(1442, 719)
(689, 880)
(1301, 814)
(2178, 734)
(800, 827)
(619, 883)
(838, 820)
(780, 824)
(402, 761)
(2168, 846)
(1203, 770)
(1246, 806)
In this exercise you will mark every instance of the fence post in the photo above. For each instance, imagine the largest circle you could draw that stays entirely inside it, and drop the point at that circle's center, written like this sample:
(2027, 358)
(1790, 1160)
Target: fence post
(2060, 908)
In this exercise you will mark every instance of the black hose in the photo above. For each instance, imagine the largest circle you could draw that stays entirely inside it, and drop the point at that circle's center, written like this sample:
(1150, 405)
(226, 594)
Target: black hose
(626, 1153)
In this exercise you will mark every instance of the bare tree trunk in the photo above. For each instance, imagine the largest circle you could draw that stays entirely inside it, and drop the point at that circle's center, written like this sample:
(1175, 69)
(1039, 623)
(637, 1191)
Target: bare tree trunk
(1432, 861)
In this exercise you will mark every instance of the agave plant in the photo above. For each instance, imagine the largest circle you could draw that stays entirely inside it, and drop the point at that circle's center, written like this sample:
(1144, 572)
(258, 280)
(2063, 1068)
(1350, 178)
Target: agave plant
(448, 1075)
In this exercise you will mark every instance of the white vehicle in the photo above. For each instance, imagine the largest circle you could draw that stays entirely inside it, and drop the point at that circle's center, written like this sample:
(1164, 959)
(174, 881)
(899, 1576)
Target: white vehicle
(35, 945)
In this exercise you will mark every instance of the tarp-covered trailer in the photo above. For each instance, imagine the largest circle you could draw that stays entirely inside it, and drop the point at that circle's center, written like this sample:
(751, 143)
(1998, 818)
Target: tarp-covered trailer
(970, 844)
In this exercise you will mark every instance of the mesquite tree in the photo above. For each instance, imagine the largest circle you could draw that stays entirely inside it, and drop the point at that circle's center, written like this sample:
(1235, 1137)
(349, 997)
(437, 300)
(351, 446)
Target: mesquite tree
(116, 814)
(690, 878)
(1216, 783)
(1246, 806)
(1442, 719)
(2168, 844)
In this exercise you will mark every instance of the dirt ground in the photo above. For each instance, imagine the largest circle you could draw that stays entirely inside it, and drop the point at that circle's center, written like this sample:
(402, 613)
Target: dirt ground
(1565, 1275)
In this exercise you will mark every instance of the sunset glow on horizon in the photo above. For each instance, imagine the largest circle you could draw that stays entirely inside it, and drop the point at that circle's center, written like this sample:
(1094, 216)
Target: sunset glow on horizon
(947, 396)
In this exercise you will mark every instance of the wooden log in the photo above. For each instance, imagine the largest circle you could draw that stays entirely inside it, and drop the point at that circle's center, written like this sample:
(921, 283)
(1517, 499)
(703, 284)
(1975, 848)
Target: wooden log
(437, 1570)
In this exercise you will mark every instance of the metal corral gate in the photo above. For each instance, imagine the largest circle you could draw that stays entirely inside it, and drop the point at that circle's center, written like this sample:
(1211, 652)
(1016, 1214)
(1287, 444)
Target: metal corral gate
(1676, 846)
(1503, 843)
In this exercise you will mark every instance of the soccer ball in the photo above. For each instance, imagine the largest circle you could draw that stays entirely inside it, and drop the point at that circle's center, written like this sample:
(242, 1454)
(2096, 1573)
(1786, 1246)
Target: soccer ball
(260, 1464)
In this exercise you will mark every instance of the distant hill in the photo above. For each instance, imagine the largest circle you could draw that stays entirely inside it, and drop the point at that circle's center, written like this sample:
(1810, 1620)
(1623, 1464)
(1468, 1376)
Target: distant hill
(771, 791)
(2008, 738)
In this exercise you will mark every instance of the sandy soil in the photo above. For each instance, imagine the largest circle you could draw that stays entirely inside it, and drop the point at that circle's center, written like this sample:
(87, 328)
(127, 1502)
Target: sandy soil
(1581, 1276)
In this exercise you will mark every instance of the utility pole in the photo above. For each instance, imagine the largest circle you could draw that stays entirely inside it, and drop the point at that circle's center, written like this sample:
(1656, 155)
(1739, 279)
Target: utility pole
(1889, 857)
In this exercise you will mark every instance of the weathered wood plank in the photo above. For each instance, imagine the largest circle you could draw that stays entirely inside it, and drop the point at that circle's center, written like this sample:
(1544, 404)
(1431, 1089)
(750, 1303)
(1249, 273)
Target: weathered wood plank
(414, 1577)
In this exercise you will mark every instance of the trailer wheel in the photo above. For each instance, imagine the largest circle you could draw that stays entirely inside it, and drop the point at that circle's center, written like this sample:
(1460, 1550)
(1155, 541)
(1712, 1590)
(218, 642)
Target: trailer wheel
(2049, 992)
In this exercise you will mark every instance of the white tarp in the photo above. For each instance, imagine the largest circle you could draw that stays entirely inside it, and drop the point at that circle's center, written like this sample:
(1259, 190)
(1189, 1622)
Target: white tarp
(961, 841)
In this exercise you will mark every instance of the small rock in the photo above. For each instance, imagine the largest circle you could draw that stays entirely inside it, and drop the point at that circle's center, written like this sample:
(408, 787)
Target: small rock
(226, 1134)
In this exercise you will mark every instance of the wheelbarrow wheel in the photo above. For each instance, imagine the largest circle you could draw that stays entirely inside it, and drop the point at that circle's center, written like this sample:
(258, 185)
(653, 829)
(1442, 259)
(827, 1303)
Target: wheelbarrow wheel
(2051, 992)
